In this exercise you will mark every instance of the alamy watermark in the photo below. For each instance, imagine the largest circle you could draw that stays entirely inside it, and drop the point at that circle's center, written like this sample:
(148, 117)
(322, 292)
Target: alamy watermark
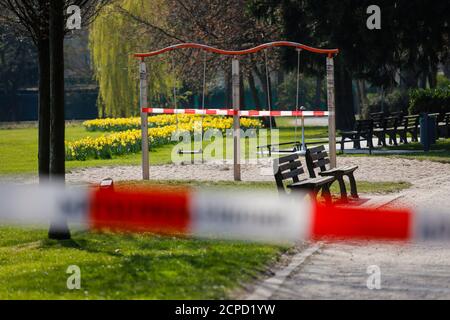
(74, 19)
(374, 20)
(374, 280)
(74, 280)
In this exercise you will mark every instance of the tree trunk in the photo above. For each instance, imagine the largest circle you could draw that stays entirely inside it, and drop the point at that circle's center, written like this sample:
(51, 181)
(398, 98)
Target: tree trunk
(364, 102)
(228, 89)
(44, 111)
(254, 90)
(242, 91)
(446, 68)
(358, 102)
(58, 229)
(345, 112)
(408, 79)
(318, 93)
(423, 81)
(432, 77)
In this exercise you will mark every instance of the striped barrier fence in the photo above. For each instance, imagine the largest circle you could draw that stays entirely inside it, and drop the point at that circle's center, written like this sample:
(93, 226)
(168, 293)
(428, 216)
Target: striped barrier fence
(217, 215)
(242, 113)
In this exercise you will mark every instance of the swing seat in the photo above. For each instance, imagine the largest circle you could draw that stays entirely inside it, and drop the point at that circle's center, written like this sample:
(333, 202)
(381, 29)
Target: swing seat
(285, 150)
(297, 146)
(273, 150)
(181, 151)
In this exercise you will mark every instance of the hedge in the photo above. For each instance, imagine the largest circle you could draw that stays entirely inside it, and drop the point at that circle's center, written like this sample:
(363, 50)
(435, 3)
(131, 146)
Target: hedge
(429, 100)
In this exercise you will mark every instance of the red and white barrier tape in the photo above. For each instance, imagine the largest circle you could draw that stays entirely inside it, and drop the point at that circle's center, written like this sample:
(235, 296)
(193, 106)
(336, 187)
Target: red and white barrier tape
(242, 113)
(222, 215)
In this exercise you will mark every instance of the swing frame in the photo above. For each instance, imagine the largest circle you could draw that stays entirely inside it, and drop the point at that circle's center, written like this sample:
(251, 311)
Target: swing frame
(329, 53)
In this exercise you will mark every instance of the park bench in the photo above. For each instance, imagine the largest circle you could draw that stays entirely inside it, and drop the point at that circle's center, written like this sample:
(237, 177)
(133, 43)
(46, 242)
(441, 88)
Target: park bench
(398, 114)
(409, 124)
(377, 118)
(444, 126)
(290, 168)
(363, 132)
(317, 158)
(389, 128)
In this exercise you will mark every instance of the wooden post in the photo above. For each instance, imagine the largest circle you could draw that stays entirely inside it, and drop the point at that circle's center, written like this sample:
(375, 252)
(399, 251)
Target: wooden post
(236, 123)
(331, 112)
(144, 120)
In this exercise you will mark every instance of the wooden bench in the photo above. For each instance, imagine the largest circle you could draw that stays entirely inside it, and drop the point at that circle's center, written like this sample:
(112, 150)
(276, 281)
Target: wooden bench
(409, 124)
(444, 126)
(389, 129)
(291, 168)
(377, 118)
(363, 132)
(398, 114)
(317, 158)
(378, 122)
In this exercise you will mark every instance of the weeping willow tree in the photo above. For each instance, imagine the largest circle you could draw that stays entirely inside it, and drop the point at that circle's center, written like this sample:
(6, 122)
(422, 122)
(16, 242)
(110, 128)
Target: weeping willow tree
(117, 33)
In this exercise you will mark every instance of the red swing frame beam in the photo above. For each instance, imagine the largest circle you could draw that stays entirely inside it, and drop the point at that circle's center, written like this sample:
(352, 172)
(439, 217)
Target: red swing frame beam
(329, 52)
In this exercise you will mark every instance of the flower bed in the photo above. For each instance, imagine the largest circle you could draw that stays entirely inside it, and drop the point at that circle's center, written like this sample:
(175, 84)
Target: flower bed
(126, 134)
(114, 144)
(123, 124)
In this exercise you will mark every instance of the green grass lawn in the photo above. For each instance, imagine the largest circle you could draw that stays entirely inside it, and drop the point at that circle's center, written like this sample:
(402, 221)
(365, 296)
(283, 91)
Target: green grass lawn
(18, 148)
(126, 266)
(138, 266)
(439, 152)
(363, 186)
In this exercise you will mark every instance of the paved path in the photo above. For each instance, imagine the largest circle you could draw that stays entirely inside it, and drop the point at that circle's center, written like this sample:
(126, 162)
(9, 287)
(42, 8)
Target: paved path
(408, 271)
(339, 271)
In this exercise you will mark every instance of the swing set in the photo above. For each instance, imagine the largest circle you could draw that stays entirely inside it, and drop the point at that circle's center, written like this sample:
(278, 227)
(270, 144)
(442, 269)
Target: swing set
(200, 150)
(236, 111)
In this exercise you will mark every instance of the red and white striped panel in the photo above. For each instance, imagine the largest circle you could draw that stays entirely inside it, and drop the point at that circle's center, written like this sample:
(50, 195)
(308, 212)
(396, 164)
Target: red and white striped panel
(228, 215)
(256, 113)
(217, 112)
(242, 113)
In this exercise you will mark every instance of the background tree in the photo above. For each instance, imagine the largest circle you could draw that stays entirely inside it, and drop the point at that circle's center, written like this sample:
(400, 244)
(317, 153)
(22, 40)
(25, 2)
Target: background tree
(146, 26)
(18, 67)
(30, 18)
(115, 68)
(413, 36)
(44, 22)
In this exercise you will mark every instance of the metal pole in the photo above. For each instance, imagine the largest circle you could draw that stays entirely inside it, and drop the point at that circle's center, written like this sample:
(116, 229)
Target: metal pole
(236, 124)
(303, 130)
(144, 120)
(331, 112)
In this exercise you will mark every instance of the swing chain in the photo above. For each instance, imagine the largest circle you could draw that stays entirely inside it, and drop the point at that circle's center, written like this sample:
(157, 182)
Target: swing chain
(269, 103)
(175, 91)
(297, 96)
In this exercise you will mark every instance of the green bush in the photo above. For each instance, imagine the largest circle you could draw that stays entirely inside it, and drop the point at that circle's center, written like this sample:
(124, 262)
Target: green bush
(394, 101)
(443, 82)
(429, 100)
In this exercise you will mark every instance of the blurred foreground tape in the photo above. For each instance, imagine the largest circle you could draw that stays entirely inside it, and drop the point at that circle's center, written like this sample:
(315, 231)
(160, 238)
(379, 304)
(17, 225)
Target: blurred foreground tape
(255, 216)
